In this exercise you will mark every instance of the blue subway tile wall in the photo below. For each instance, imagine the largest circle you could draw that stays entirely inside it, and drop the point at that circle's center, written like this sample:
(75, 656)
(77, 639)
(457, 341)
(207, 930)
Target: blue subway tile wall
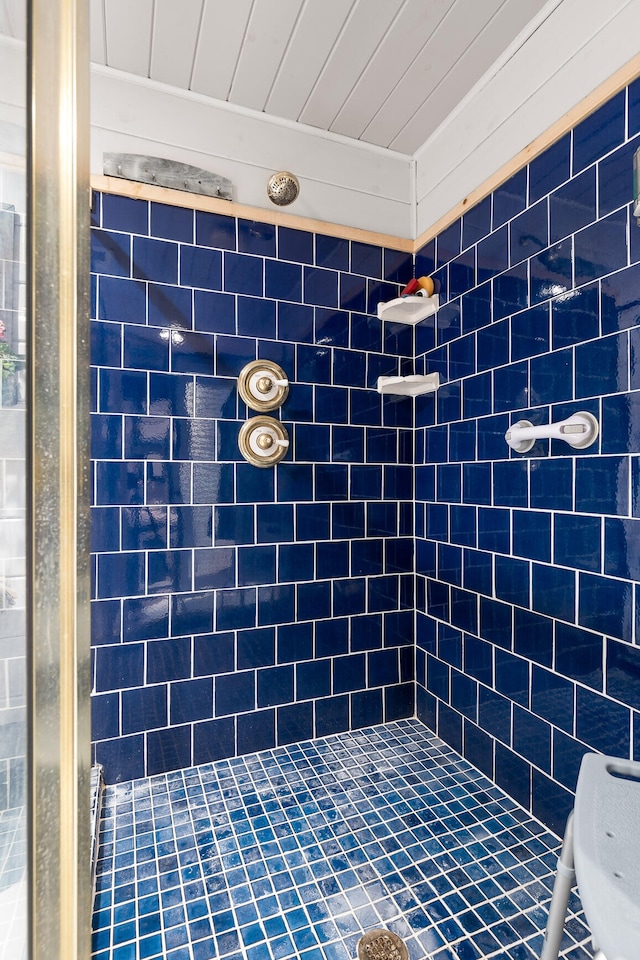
(237, 608)
(527, 595)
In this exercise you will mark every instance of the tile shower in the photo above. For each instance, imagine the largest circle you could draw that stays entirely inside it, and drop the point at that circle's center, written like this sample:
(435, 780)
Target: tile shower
(240, 610)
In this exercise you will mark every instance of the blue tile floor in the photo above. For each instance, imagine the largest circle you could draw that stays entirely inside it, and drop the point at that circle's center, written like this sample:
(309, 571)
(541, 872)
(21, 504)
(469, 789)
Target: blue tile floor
(297, 851)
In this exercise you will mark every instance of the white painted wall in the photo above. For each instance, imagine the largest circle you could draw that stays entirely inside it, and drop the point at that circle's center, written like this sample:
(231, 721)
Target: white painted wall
(341, 181)
(579, 45)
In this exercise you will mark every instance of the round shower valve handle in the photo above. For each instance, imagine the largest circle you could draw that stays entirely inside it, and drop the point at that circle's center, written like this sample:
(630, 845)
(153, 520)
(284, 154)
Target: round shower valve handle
(263, 385)
(263, 441)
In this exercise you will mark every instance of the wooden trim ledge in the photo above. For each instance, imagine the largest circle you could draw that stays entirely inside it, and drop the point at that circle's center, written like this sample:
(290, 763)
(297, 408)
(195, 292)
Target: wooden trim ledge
(194, 201)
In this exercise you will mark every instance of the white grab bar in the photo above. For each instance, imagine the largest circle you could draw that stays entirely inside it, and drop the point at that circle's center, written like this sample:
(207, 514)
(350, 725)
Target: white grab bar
(579, 431)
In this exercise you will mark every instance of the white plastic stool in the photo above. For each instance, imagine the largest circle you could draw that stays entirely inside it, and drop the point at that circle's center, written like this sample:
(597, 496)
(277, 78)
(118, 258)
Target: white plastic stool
(603, 837)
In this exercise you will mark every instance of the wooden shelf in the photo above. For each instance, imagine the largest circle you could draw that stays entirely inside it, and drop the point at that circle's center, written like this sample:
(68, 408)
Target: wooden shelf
(410, 310)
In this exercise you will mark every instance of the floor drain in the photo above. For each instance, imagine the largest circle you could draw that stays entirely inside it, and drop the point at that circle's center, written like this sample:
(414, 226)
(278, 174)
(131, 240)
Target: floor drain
(381, 945)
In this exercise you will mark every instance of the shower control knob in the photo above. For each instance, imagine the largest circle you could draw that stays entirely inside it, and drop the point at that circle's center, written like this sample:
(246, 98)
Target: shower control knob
(263, 441)
(263, 385)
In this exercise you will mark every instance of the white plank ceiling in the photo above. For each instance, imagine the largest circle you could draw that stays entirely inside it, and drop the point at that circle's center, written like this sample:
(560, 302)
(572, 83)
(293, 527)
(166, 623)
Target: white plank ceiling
(387, 72)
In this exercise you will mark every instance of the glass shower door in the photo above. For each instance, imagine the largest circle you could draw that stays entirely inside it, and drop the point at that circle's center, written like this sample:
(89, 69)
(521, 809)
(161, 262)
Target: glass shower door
(13, 669)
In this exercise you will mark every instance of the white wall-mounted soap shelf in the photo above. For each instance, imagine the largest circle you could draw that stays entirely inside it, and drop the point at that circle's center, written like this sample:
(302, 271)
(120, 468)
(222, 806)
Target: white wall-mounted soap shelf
(412, 386)
(408, 309)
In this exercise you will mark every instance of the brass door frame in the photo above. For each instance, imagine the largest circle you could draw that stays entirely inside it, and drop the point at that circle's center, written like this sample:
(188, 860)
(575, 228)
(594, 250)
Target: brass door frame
(58, 484)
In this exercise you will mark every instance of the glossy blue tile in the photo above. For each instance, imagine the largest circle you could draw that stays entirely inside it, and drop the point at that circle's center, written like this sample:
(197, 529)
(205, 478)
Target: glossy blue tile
(532, 535)
(622, 676)
(554, 591)
(512, 580)
(496, 621)
(550, 168)
(233, 525)
(143, 528)
(195, 439)
(477, 571)
(243, 274)
(275, 686)
(450, 564)
(294, 481)
(601, 248)
(476, 223)
(171, 223)
(492, 345)
(106, 344)
(366, 259)
(602, 485)
(477, 395)
(533, 637)
(463, 526)
(191, 700)
(295, 245)
(575, 316)
(283, 281)
(579, 655)
(191, 613)
(605, 605)
(349, 673)
(256, 565)
(122, 300)
(257, 238)
(215, 230)
(294, 723)
(110, 253)
(511, 386)
(105, 716)
(235, 693)
(552, 379)
(256, 318)
(510, 198)
(397, 266)
(313, 364)
(512, 677)
(510, 484)
(314, 600)
(353, 292)
(532, 738)
(602, 723)
(145, 348)
(620, 423)
(235, 610)
(573, 205)
(476, 483)
(119, 667)
(602, 366)
(476, 308)
(214, 568)
(462, 273)
(448, 243)
(155, 260)
(528, 232)
(212, 482)
(214, 312)
(256, 731)
(122, 759)
(550, 272)
(295, 561)
(332, 327)
(123, 391)
(599, 133)
(494, 529)
(620, 300)
(494, 714)
(169, 571)
(551, 484)
(313, 680)
(213, 740)
(510, 291)
(321, 287)
(231, 355)
(620, 555)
